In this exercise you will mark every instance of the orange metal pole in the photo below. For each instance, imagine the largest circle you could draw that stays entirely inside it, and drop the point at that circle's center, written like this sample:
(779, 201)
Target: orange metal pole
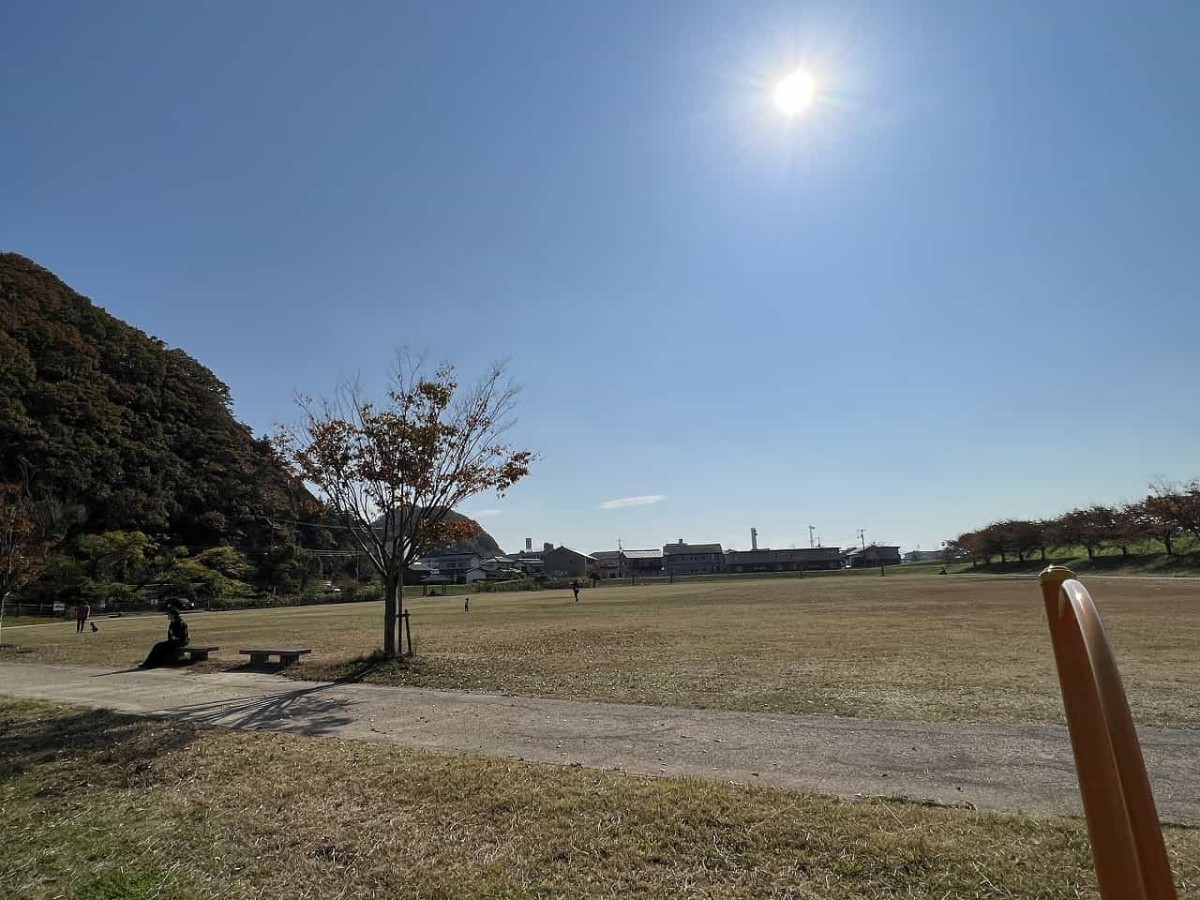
(1130, 858)
(1127, 750)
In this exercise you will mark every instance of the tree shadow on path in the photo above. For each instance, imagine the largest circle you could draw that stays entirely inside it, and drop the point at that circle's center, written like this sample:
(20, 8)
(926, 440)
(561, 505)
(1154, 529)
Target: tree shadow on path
(299, 711)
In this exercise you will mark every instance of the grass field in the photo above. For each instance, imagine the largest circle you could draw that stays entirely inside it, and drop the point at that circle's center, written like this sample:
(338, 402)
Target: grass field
(99, 805)
(928, 648)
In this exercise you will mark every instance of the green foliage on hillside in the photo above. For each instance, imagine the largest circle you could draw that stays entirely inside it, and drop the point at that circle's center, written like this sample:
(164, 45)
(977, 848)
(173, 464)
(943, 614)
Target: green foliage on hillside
(131, 447)
(138, 436)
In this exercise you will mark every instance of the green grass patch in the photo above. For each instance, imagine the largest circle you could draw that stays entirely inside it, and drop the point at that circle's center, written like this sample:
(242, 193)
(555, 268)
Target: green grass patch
(99, 805)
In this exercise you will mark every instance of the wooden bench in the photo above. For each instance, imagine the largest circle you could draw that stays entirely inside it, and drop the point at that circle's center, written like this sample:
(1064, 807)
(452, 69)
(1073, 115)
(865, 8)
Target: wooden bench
(262, 655)
(196, 654)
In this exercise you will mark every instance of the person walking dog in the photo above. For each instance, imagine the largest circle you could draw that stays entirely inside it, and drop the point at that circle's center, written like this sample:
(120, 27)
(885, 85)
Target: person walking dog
(83, 612)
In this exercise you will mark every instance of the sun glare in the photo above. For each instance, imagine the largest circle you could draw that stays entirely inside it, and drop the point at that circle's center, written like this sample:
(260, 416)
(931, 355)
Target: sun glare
(795, 93)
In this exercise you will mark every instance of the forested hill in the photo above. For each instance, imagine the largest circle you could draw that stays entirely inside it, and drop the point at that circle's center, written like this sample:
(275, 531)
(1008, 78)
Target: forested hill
(138, 435)
(482, 544)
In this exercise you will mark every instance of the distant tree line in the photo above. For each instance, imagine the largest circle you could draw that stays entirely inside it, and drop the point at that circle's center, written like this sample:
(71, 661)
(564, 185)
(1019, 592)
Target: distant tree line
(1167, 514)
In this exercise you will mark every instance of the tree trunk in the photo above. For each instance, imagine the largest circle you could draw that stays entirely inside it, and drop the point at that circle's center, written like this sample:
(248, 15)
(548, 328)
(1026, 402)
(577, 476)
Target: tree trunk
(1042, 550)
(1091, 551)
(1166, 539)
(1125, 551)
(389, 615)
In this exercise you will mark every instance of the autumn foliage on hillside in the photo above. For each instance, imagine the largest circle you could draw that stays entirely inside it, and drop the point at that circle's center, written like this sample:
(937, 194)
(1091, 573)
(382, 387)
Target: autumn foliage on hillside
(137, 435)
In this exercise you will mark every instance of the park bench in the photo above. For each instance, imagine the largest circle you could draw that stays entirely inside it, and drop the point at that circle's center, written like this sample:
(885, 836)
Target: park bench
(262, 655)
(196, 654)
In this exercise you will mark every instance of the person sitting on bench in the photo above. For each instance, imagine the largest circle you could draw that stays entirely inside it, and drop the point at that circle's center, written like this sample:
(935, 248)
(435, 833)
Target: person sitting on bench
(167, 652)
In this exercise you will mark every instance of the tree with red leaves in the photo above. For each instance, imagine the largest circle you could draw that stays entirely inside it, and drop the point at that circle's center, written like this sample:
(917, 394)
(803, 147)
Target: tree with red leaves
(393, 472)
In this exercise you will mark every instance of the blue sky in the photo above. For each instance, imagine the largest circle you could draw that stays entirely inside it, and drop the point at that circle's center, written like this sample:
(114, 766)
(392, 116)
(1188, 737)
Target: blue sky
(962, 286)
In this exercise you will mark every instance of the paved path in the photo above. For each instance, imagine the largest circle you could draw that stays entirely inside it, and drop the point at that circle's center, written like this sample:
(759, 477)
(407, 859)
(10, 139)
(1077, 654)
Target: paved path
(1027, 768)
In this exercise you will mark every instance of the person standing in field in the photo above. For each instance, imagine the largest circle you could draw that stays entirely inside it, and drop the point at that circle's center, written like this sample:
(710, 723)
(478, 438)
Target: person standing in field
(575, 588)
(83, 611)
(467, 605)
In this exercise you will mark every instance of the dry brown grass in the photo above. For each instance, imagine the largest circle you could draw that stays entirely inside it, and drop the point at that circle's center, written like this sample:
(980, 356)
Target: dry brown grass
(927, 648)
(98, 805)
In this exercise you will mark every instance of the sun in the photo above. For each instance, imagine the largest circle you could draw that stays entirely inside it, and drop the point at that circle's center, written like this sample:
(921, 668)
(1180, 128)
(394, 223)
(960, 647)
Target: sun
(795, 93)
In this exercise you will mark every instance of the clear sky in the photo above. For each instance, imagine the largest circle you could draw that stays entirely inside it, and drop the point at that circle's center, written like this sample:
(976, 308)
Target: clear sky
(961, 286)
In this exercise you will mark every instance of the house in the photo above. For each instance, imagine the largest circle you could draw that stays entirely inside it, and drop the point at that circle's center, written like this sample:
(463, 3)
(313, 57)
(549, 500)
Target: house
(796, 559)
(530, 564)
(608, 563)
(693, 559)
(499, 568)
(417, 573)
(453, 566)
(913, 556)
(529, 561)
(563, 562)
(645, 563)
(451, 563)
(871, 556)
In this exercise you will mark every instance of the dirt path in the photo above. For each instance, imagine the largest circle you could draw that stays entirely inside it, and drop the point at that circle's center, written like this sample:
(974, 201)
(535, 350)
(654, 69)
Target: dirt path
(1026, 768)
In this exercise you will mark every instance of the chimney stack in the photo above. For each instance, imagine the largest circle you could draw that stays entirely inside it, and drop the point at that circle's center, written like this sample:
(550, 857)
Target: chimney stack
(528, 544)
(753, 538)
(547, 547)
(681, 542)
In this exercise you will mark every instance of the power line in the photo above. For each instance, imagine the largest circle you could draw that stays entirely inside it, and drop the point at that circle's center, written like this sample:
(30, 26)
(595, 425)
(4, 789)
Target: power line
(310, 524)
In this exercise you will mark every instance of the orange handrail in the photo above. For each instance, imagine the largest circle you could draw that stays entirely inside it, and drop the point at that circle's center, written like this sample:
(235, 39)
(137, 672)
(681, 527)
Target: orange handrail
(1131, 859)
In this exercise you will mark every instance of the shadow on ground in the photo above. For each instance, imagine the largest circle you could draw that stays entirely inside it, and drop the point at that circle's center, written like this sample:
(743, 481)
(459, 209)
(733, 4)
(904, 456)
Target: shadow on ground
(373, 667)
(301, 711)
(95, 738)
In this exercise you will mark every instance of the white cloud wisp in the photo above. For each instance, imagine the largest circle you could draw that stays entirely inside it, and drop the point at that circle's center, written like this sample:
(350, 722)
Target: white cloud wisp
(622, 502)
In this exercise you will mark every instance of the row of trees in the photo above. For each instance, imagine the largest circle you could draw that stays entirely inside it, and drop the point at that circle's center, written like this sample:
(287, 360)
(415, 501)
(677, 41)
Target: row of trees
(45, 558)
(1168, 513)
(117, 567)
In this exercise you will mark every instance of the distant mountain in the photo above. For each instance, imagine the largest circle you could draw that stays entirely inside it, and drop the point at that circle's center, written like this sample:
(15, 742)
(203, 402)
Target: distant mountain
(140, 435)
(484, 544)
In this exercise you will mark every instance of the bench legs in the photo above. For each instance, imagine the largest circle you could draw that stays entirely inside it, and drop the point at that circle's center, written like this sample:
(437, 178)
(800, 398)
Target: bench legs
(259, 659)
